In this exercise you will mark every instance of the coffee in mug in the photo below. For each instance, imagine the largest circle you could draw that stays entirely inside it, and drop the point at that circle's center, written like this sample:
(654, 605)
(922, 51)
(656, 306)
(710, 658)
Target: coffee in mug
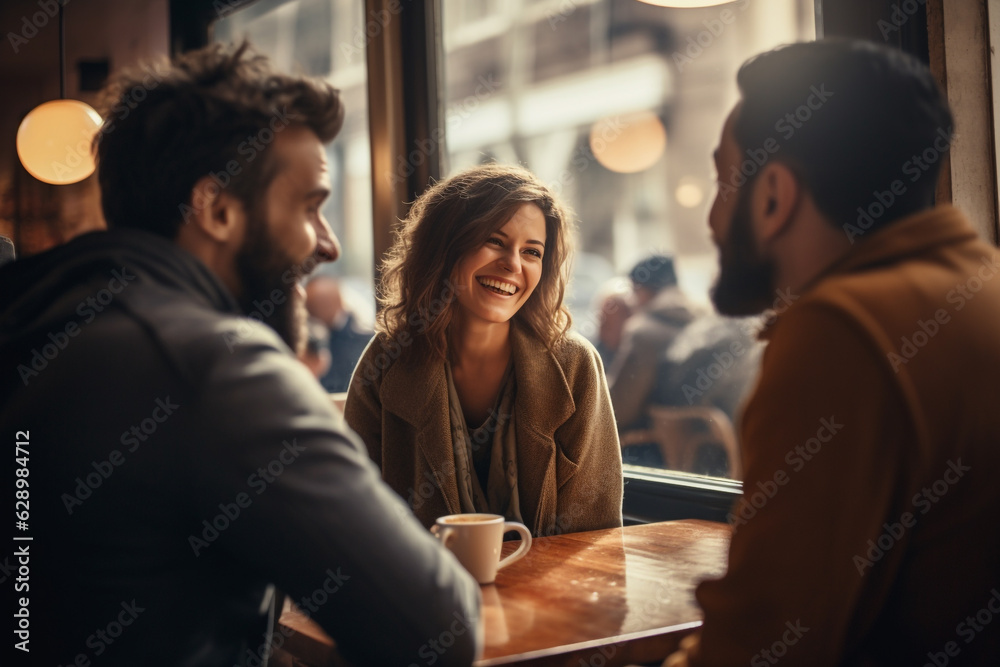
(475, 539)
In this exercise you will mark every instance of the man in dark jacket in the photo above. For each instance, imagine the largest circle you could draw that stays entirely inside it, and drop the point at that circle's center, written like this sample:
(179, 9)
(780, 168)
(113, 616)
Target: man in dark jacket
(178, 462)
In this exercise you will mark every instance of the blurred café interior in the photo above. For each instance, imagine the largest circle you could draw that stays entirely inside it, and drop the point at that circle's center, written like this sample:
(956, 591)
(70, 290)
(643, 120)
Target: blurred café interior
(431, 87)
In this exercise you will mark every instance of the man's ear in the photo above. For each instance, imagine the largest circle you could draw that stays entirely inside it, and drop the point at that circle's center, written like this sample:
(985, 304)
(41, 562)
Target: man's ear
(775, 200)
(218, 214)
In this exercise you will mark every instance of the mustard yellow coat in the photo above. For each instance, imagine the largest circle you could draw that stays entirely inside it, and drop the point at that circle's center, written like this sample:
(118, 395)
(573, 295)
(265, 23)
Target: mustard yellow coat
(868, 531)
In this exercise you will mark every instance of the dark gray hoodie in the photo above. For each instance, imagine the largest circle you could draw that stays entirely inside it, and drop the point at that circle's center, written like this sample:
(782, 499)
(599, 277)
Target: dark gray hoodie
(181, 461)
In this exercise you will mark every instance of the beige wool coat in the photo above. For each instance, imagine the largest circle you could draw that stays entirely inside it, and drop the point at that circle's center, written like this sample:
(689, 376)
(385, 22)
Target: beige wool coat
(568, 456)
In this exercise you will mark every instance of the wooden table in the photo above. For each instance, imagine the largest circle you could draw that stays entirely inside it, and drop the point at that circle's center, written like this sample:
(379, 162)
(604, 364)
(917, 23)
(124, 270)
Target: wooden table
(605, 597)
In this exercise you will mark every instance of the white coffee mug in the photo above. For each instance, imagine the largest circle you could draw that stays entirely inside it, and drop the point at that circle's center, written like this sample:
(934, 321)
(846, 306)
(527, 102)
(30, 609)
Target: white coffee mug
(475, 539)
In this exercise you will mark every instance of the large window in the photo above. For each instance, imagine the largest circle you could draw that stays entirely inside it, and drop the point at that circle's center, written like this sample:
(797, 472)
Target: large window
(618, 105)
(326, 38)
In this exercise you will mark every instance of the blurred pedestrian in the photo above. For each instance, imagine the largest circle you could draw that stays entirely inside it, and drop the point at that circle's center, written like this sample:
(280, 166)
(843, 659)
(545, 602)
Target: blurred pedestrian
(661, 312)
(347, 337)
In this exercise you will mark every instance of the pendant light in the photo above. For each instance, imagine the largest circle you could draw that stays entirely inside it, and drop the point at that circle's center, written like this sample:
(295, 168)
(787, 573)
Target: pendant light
(54, 139)
(628, 144)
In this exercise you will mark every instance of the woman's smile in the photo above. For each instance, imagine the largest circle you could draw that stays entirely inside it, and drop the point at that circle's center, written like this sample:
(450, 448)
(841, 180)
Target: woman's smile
(497, 278)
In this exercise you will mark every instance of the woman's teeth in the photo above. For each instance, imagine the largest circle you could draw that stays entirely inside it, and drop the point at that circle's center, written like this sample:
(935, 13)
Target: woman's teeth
(497, 286)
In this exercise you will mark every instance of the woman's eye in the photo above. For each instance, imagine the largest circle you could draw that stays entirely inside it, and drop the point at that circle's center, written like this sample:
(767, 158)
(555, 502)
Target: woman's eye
(534, 252)
(495, 241)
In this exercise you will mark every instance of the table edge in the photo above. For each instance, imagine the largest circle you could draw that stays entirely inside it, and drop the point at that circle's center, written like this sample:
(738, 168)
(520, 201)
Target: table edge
(583, 646)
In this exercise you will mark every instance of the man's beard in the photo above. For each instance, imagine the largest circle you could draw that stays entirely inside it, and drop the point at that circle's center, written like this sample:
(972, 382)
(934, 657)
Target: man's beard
(745, 284)
(264, 269)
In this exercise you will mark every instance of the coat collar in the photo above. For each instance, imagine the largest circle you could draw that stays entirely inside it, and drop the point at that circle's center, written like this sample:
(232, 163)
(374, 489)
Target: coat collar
(543, 392)
(415, 387)
(910, 237)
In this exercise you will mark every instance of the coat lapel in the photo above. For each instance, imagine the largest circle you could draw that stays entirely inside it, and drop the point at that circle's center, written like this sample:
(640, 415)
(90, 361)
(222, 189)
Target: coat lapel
(544, 402)
(415, 389)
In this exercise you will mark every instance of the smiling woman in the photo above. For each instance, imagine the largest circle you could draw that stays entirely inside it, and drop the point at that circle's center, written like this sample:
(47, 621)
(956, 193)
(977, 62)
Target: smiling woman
(474, 397)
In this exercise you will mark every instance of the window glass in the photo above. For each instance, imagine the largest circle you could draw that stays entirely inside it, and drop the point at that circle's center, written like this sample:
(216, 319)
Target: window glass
(618, 105)
(325, 38)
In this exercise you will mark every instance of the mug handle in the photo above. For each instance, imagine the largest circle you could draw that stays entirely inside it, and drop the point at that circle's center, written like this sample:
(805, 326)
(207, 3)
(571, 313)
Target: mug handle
(521, 550)
(443, 534)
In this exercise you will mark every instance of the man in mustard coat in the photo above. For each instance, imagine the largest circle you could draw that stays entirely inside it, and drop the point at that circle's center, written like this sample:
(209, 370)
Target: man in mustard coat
(867, 533)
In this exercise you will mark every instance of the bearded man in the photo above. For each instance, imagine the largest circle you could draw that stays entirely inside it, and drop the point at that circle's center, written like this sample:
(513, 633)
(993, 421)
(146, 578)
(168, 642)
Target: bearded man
(867, 531)
(181, 463)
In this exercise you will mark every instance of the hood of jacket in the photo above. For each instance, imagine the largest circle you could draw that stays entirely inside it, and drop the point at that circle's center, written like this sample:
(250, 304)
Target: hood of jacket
(55, 286)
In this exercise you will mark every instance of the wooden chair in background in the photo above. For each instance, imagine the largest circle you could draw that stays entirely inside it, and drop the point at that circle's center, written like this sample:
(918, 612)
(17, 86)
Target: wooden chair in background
(680, 432)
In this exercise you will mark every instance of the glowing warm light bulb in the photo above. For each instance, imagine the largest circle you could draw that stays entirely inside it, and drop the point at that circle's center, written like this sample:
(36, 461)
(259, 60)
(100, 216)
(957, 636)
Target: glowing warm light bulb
(689, 193)
(628, 144)
(54, 141)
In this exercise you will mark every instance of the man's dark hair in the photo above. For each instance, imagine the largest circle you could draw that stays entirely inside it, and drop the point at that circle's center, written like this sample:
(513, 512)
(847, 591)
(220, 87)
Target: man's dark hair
(851, 118)
(213, 112)
(654, 273)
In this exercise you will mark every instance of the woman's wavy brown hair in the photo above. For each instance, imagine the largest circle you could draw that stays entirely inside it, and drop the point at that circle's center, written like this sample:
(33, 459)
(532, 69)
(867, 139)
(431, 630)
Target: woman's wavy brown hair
(457, 216)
